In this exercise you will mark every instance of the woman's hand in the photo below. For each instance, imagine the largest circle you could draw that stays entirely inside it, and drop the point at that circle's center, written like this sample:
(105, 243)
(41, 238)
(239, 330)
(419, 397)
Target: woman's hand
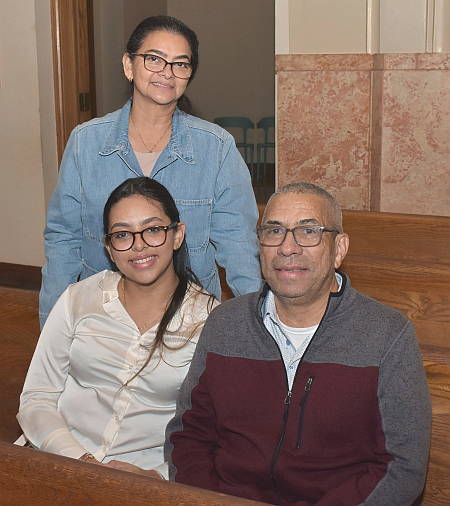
(90, 458)
(125, 466)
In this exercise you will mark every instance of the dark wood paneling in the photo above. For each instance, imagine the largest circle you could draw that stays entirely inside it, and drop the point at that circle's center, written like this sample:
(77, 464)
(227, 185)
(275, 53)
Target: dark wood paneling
(27, 277)
(19, 332)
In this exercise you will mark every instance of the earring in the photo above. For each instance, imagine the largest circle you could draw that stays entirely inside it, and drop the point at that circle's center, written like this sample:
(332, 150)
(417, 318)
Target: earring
(130, 80)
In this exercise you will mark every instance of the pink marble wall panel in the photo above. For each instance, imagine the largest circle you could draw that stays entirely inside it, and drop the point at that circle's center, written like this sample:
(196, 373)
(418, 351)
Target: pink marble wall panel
(415, 160)
(345, 62)
(323, 122)
(373, 129)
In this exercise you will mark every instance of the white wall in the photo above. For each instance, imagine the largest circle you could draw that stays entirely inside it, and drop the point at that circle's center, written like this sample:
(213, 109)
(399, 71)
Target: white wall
(326, 26)
(21, 169)
(359, 26)
(47, 112)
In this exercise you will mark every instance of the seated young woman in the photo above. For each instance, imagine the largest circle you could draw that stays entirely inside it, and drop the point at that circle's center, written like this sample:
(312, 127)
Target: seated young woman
(116, 347)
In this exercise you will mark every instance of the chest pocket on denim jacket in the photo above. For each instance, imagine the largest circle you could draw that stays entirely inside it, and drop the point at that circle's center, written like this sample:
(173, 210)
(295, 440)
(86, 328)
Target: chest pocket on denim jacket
(197, 216)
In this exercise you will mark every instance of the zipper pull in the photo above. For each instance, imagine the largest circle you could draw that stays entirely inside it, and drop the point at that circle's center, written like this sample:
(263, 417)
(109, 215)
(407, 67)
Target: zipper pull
(302, 413)
(288, 398)
(287, 401)
(307, 389)
(308, 384)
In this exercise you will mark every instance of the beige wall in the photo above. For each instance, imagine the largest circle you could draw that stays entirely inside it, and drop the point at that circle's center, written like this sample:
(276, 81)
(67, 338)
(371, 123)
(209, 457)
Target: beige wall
(114, 21)
(46, 98)
(134, 11)
(359, 26)
(111, 86)
(236, 75)
(326, 26)
(21, 167)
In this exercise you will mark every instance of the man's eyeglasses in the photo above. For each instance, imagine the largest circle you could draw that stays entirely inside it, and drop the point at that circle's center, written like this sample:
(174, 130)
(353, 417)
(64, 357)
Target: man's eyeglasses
(305, 235)
(153, 63)
(152, 236)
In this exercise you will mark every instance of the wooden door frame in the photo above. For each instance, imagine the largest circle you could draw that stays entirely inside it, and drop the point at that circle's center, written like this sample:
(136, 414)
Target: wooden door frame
(73, 65)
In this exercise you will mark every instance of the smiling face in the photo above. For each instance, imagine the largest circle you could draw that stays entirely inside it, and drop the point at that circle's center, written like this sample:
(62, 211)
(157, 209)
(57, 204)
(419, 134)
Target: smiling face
(303, 275)
(163, 87)
(143, 264)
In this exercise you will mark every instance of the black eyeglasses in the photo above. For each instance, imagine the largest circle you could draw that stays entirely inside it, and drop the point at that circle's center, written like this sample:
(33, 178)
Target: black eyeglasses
(153, 63)
(305, 235)
(152, 236)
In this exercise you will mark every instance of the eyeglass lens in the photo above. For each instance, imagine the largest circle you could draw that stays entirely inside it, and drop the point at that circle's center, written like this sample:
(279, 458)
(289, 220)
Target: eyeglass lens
(304, 235)
(155, 236)
(157, 64)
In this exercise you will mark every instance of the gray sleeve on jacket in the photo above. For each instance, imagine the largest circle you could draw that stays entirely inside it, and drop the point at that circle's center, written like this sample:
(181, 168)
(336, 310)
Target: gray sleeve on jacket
(405, 407)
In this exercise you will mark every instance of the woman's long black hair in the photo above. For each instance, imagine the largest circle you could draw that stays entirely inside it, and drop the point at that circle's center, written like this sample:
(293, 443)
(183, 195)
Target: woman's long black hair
(171, 25)
(156, 192)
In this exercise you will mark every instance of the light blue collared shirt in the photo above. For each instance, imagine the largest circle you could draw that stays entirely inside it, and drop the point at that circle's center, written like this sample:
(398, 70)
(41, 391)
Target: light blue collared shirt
(291, 356)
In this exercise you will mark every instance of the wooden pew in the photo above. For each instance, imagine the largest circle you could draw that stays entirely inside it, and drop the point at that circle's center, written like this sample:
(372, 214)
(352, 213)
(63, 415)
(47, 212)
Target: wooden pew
(404, 261)
(33, 478)
(19, 333)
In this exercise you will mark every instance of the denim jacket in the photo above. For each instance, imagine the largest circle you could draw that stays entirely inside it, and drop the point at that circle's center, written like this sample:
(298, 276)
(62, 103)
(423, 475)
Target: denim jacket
(206, 176)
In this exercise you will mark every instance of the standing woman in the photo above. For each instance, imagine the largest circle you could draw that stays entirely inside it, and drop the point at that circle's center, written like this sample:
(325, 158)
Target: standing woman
(115, 349)
(197, 161)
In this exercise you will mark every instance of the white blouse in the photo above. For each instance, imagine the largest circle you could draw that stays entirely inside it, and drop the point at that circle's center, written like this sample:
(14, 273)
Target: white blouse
(73, 401)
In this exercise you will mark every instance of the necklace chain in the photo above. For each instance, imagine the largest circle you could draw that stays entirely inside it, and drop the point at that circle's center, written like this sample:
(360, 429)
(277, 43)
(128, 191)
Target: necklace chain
(140, 136)
(125, 305)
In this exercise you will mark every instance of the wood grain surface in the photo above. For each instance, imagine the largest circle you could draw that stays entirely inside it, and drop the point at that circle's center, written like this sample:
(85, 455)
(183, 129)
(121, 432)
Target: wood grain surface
(31, 477)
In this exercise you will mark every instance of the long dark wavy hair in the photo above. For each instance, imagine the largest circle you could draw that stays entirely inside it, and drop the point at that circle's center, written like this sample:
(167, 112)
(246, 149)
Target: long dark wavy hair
(156, 192)
(171, 25)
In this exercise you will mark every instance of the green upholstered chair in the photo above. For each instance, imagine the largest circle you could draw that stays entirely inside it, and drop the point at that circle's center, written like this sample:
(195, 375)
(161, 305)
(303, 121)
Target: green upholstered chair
(265, 123)
(245, 124)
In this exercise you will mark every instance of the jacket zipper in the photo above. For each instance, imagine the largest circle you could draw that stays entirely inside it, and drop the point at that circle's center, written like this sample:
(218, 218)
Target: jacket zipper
(289, 393)
(303, 406)
(287, 403)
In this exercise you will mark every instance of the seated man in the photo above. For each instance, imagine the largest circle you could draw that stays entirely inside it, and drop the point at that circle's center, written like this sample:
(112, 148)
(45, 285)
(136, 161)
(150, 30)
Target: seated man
(307, 392)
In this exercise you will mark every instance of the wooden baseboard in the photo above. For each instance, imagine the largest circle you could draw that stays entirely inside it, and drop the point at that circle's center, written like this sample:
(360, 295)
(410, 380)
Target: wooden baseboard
(27, 277)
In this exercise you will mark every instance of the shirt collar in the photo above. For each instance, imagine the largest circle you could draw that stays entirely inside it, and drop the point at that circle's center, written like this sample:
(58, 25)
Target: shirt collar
(269, 308)
(110, 286)
(180, 143)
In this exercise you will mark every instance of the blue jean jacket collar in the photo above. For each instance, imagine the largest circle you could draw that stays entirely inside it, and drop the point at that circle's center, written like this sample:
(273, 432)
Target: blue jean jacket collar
(180, 144)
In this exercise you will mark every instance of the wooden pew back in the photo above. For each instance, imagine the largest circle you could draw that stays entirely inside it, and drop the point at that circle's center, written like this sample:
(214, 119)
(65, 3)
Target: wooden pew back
(404, 262)
(30, 477)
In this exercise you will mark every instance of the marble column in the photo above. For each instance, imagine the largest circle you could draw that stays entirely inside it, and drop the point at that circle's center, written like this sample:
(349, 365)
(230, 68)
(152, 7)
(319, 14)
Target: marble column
(373, 129)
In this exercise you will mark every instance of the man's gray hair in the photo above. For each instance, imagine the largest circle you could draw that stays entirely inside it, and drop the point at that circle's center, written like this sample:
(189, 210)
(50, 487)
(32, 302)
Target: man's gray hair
(333, 207)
